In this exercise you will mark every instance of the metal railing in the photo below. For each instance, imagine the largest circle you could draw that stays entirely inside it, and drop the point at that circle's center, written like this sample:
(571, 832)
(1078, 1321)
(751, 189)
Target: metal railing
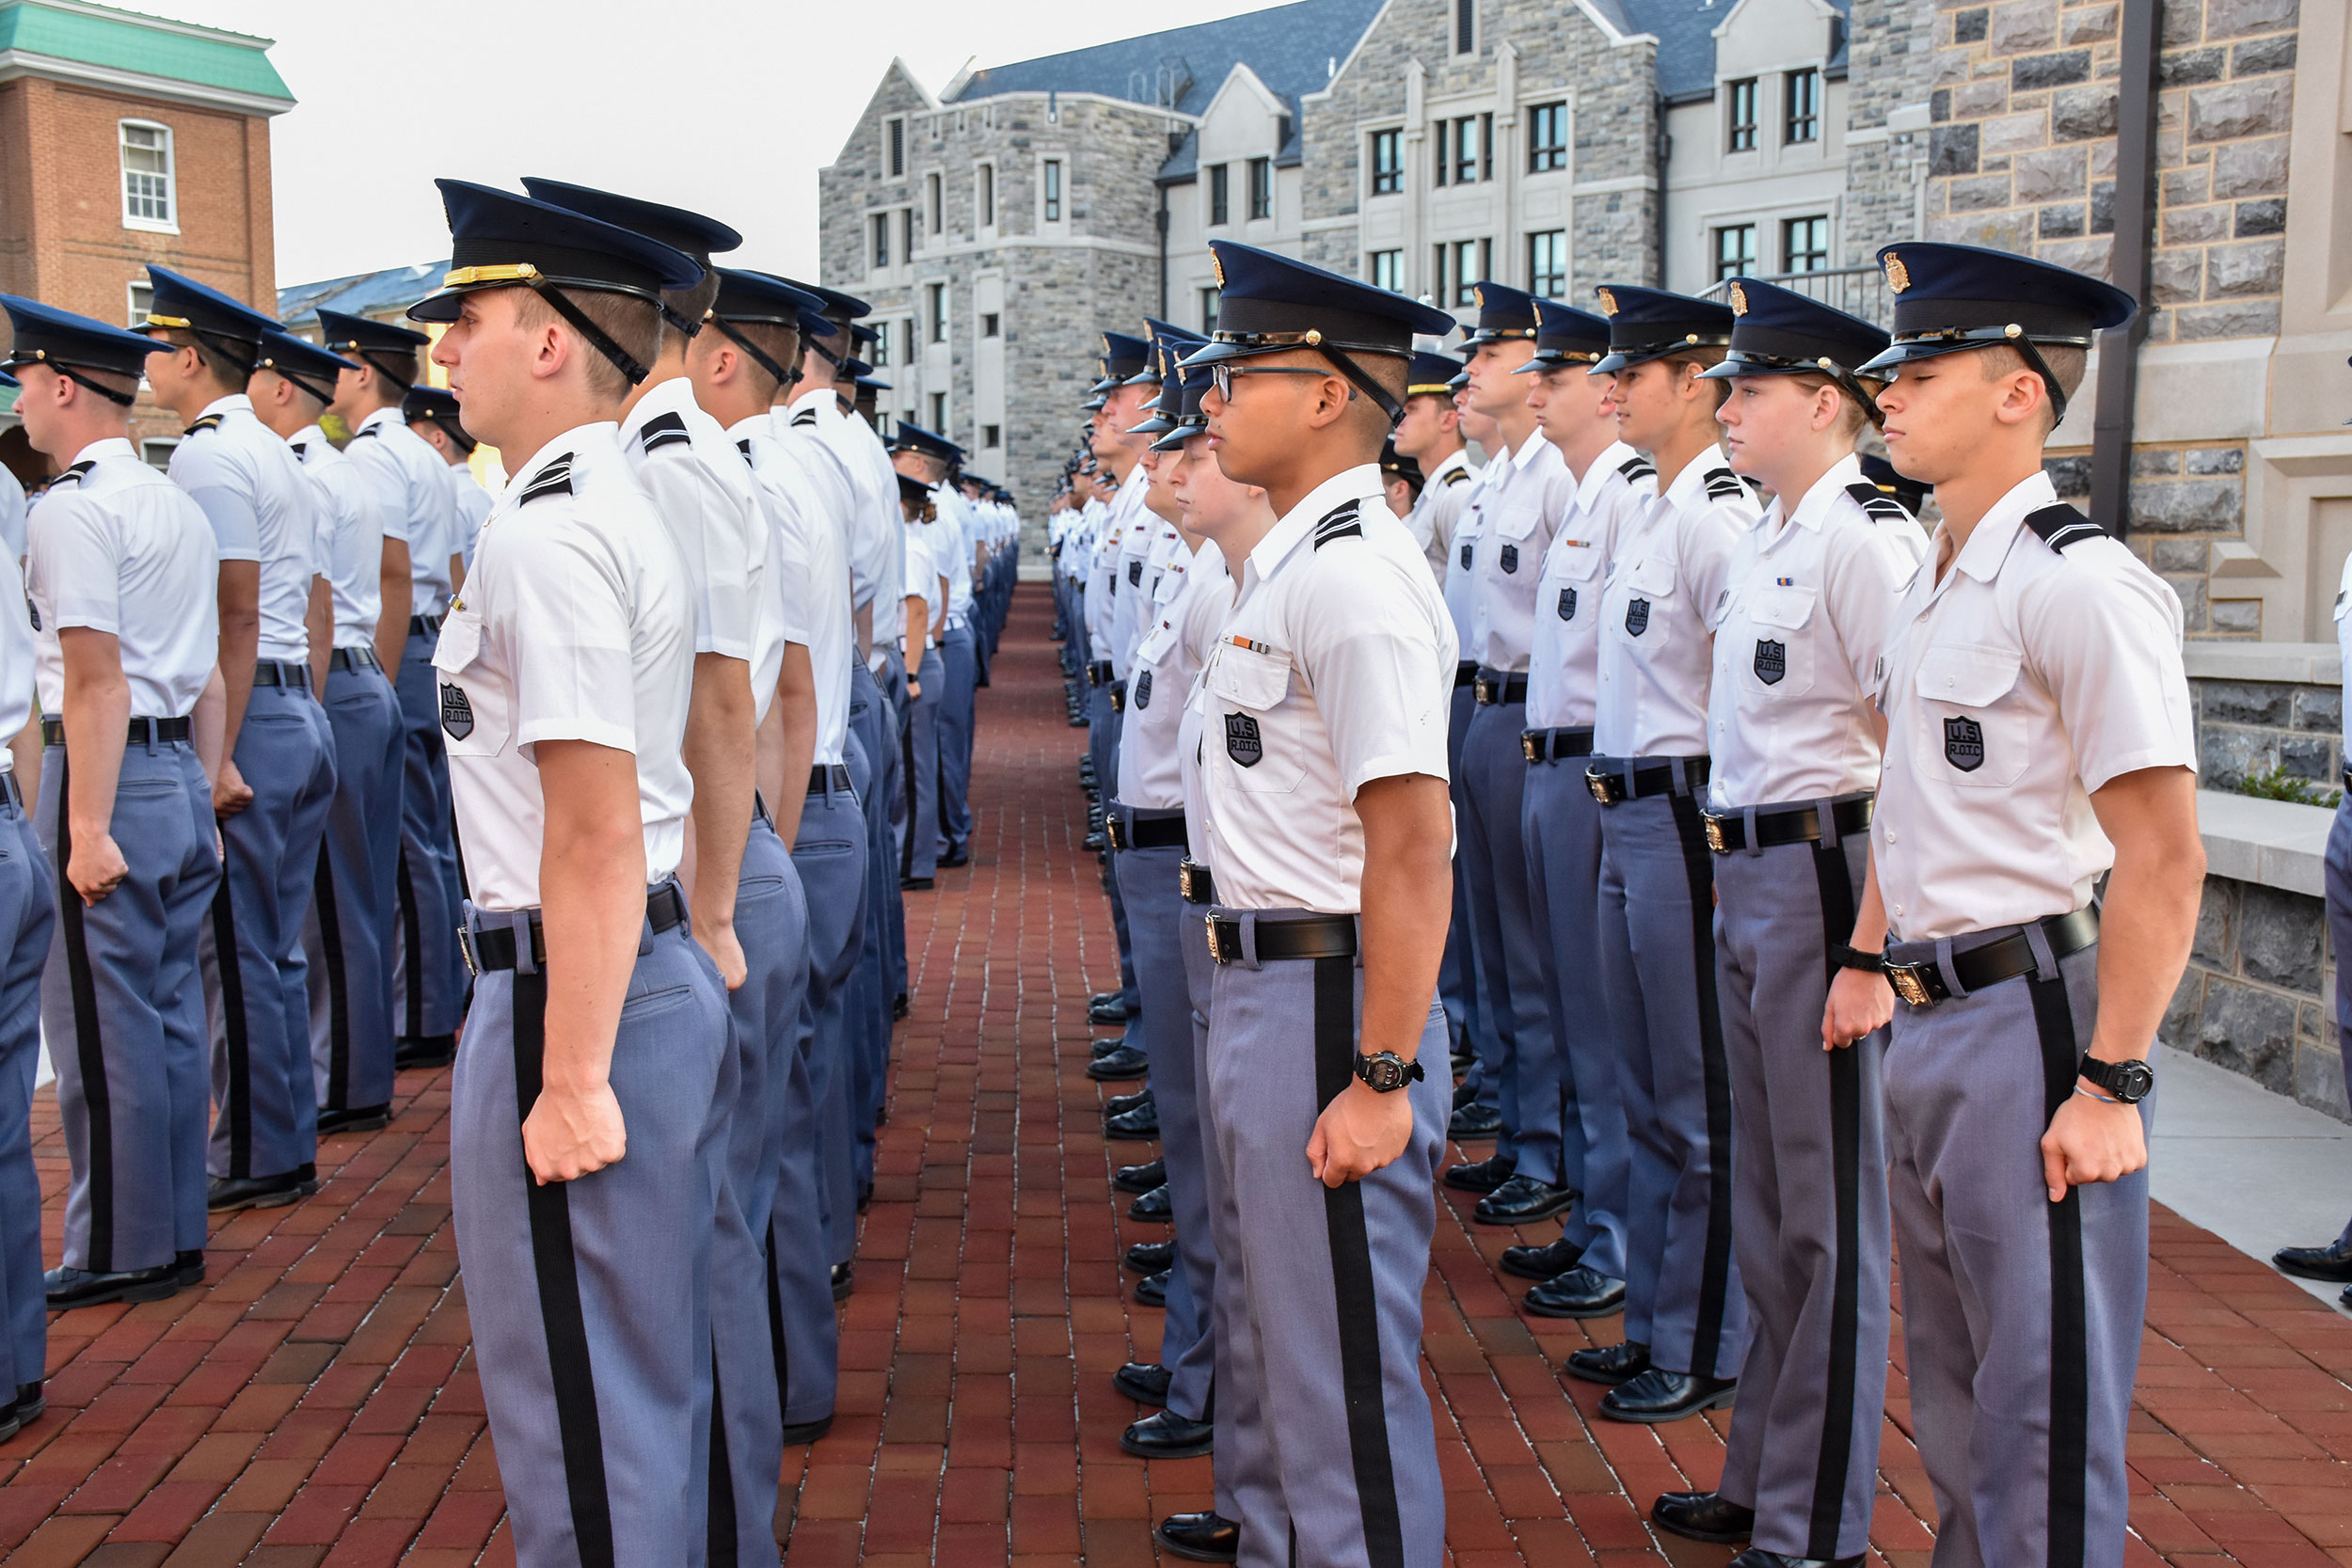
(1857, 291)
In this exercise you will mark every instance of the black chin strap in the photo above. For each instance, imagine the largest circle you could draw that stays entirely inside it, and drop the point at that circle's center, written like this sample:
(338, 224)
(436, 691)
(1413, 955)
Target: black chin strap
(2041, 367)
(597, 338)
(1363, 382)
(760, 355)
(230, 350)
(686, 329)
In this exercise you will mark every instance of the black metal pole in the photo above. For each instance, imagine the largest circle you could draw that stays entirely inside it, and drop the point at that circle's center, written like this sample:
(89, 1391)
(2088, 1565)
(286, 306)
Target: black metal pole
(2129, 270)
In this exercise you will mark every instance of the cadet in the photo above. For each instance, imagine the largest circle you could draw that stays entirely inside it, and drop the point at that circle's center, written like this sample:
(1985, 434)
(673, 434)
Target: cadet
(1324, 794)
(738, 361)
(1685, 1320)
(276, 778)
(409, 482)
(1477, 1102)
(1582, 1273)
(121, 572)
(1431, 435)
(2037, 715)
(349, 936)
(1401, 477)
(432, 413)
(599, 1027)
(926, 584)
(1795, 751)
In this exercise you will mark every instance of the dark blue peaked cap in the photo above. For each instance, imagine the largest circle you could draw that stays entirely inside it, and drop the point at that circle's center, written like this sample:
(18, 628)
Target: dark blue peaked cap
(500, 240)
(1123, 355)
(1169, 343)
(1777, 331)
(861, 334)
(873, 383)
(346, 333)
(1272, 303)
(1503, 313)
(184, 303)
(914, 437)
(429, 403)
(758, 296)
(1187, 419)
(302, 362)
(1952, 297)
(1432, 374)
(1650, 323)
(67, 344)
(696, 235)
(1567, 336)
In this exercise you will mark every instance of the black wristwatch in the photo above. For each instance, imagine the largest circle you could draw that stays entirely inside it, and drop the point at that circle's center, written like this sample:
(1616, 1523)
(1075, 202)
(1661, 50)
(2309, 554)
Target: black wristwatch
(1385, 1072)
(2129, 1082)
(1854, 958)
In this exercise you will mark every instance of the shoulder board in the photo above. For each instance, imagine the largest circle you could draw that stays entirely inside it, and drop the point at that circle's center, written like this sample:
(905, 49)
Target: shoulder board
(744, 446)
(1721, 484)
(1341, 522)
(1458, 476)
(806, 417)
(363, 435)
(1878, 503)
(1638, 466)
(299, 448)
(2062, 526)
(663, 429)
(210, 421)
(554, 480)
(75, 473)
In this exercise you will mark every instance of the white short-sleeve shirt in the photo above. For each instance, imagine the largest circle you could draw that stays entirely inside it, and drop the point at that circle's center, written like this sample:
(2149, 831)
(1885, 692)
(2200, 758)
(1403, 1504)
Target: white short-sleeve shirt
(1159, 684)
(12, 506)
(2022, 681)
(116, 547)
(703, 489)
(1438, 508)
(811, 551)
(469, 506)
(1518, 513)
(1208, 598)
(17, 654)
(1564, 649)
(575, 624)
(1335, 667)
(263, 510)
(351, 535)
(1460, 586)
(419, 507)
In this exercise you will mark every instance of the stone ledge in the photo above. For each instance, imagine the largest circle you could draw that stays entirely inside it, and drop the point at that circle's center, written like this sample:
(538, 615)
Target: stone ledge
(2273, 844)
(2298, 663)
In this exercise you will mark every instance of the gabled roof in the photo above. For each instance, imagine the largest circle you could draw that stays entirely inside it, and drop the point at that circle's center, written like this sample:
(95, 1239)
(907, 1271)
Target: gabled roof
(135, 52)
(1686, 39)
(363, 294)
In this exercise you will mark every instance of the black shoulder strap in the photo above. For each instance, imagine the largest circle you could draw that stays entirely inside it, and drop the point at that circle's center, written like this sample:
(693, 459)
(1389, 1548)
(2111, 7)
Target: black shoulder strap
(663, 429)
(554, 480)
(1341, 522)
(210, 421)
(299, 447)
(1877, 502)
(2060, 525)
(1637, 467)
(744, 446)
(1721, 484)
(363, 435)
(76, 472)
(806, 417)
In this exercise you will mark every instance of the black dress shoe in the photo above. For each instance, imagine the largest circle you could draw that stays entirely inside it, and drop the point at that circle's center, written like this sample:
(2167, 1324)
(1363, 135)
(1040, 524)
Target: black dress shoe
(916, 884)
(1151, 1291)
(1142, 1178)
(1144, 1382)
(1480, 1176)
(800, 1433)
(898, 1006)
(956, 858)
(1137, 1125)
(30, 1401)
(10, 1423)
(1611, 1364)
(1464, 1094)
(353, 1118)
(1658, 1395)
(187, 1268)
(228, 1193)
(1103, 1048)
(1576, 1294)
(1199, 1537)
(1150, 1256)
(1756, 1557)
(1154, 1208)
(1548, 1261)
(1166, 1434)
(1107, 1007)
(1462, 1061)
(1079, 721)
(844, 1280)
(1120, 1066)
(1523, 1200)
(1120, 1104)
(1095, 841)
(2331, 1262)
(424, 1051)
(1474, 1121)
(68, 1288)
(1703, 1516)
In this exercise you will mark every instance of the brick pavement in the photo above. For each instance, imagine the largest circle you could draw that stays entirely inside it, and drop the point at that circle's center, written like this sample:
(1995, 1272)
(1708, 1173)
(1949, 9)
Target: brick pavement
(315, 1404)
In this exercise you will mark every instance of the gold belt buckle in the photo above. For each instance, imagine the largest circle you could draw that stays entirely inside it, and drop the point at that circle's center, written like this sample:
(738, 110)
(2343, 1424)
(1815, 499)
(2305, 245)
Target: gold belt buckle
(1715, 833)
(1603, 786)
(1114, 830)
(1119, 699)
(1216, 942)
(1908, 984)
(465, 951)
(1484, 690)
(1530, 746)
(1189, 881)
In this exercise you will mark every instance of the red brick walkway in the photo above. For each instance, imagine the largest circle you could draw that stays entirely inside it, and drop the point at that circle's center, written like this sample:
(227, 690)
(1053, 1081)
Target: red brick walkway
(315, 1404)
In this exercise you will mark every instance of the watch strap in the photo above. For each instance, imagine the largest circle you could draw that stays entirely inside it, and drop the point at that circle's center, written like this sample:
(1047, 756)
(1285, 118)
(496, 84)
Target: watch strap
(1854, 958)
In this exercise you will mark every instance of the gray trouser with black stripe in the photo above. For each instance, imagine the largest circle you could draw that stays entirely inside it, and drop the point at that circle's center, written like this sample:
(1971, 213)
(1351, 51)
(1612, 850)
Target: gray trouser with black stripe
(257, 980)
(1533, 1091)
(28, 914)
(752, 1330)
(1332, 1277)
(1560, 824)
(1682, 1296)
(2022, 1318)
(918, 846)
(956, 718)
(1102, 745)
(887, 811)
(590, 1299)
(1156, 920)
(429, 985)
(1457, 971)
(873, 768)
(829, 852)
(123, 1005)
(1813, 1235)
(1247, 1484)
(349, 936)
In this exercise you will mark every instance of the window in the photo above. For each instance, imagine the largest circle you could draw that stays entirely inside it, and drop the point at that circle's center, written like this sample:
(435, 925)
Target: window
(894, 147)
(1546, 137)
(1221, 194)
(147, 197)
(1804, 120)
(1740, 96)
(937, 294)
(1466, 26)
(988, 323)
(939, 413)
(1548, 263)
(1486, 146)
(1735, 250)
(1805, 244)
(1261, 187)
(984, 196)
(882, 345)
(1465, 150)
(906, 339)
(881, 241)
(906, 233)
(142, 301)
(1465, 268)
(1388, 161)
(1051, 185)
(1208, 310)
(156, 452)
(991, 435)
(1386, 268)
(935, 217)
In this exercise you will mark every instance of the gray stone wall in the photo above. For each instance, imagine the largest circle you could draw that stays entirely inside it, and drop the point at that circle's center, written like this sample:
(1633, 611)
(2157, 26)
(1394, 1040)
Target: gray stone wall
(1891, 65)
(2185, 497)
(2250, 727)
(2257, 996)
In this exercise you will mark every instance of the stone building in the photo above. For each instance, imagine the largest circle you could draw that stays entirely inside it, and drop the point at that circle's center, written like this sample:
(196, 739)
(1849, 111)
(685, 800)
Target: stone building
(126, 139)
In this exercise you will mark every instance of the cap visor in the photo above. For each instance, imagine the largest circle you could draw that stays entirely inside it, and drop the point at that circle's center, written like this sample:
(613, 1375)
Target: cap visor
(1902, 354)
(1152, 426)
(439, 307)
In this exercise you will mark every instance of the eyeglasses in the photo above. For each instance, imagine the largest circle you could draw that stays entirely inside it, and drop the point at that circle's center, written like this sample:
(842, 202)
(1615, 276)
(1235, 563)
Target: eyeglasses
(1222, 374)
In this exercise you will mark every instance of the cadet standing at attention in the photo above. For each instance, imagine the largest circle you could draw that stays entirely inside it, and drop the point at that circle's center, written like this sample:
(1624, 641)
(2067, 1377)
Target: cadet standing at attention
(410, 480)
(1685, 1319)
(1329, 834)
(1795, 749)
(276, 778)
(432, 413)
(2037, 736)
(121, 574)
(1431, 435)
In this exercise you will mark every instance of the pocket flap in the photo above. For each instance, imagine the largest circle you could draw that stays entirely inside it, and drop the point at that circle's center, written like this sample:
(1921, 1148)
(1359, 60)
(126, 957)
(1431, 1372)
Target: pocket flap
(461, 642)
(1577, 559)
(1967, 676)
(1155, 647)
(1653, 577)
(1254, 680)
(1517, 522)
(1787, 608)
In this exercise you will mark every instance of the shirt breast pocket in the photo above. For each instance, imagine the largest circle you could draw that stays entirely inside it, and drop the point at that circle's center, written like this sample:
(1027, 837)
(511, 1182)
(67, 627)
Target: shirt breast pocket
(1649, 602)
(476, 714)
(1971, 731)
(1244, 691)
(1779, 661)
(1517, 522)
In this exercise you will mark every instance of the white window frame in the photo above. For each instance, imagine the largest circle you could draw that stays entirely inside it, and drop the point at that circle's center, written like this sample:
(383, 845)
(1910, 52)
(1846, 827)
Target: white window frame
(894, 139)
(170, 222)
(934, 207)
(1058, 169)
(139, 302)
(983, 197)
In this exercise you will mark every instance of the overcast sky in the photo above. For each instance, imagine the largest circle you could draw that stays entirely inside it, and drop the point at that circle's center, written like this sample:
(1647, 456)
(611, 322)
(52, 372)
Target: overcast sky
(729, 110)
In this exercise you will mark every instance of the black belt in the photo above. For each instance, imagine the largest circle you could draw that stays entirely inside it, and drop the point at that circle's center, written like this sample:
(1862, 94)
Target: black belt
(1496, 687)
(425, 625)
(493, 946)
(7, 788)
(1920, 982)
(272, 671)
(1099, 673)
(1145, 832)
(828, 776)
(353, 658)
(1465, 673)
(1312, 936)
(144, 732)
(1729, 834)
(1194, 881)
(1556, 744)
(1649, 778)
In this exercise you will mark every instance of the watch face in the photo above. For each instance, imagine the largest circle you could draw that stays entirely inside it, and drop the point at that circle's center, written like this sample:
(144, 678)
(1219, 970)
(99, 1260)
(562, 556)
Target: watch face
(2132, 1080)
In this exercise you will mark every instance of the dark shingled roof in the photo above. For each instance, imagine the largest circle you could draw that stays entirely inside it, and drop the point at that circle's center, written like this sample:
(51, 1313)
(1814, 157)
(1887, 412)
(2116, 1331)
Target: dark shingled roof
(1292, 48)
(379, 294)
(1686, 43)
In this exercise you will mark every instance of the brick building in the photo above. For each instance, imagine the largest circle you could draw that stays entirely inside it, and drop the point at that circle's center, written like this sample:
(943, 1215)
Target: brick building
(126, 139)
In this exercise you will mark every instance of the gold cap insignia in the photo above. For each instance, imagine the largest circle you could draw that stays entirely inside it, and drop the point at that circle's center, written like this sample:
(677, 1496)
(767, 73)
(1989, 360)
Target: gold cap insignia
(1478, 296)
(1898, 275)
(1608, 302)
(1739, 300)
(1217, 267)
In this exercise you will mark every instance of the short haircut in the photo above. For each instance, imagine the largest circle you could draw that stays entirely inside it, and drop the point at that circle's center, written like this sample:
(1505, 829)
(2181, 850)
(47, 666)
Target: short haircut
(633, 324)
(1851, 415)
(390, 364)
(1391, 375)
(2066, 362)
(778, 342)
(237, 378)
(1703, 357)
